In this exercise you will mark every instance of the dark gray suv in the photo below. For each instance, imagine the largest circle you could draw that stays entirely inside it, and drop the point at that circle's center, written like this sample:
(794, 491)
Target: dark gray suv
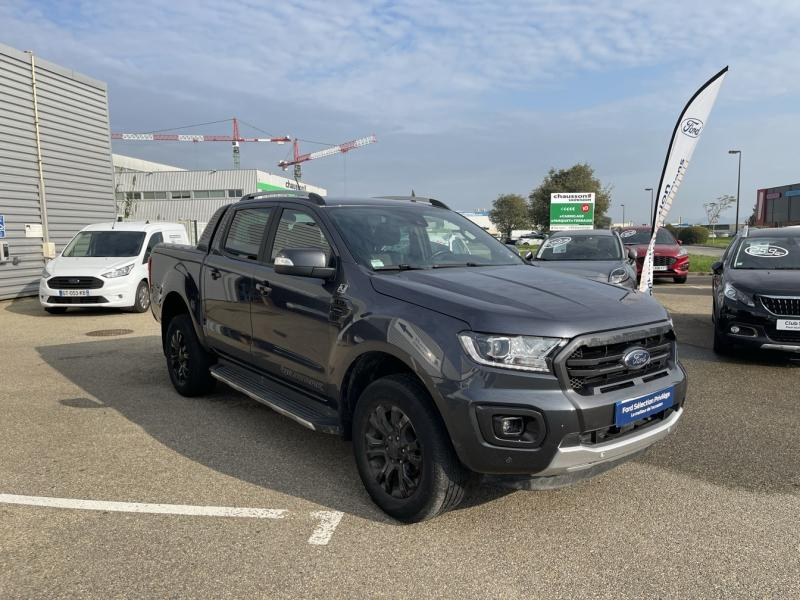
(402, 325)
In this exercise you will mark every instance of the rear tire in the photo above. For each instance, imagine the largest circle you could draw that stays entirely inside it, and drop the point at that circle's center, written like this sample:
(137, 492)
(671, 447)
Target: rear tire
(403, 452)
(679, 279)
(188, 362)
(55, 310)
(142, 301)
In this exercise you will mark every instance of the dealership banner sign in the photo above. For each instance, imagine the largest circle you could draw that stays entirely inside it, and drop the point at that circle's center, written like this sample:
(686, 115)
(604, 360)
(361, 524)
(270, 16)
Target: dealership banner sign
(571, 211)
(690, 125)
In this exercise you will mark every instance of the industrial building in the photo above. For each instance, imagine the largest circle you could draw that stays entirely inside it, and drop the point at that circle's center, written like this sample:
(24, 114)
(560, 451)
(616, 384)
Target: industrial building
(778, 206)
(188, 197)
(56, 174)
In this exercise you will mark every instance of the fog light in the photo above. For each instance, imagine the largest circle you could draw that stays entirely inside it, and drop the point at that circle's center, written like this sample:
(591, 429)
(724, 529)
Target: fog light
(510, 426)
(735, 329)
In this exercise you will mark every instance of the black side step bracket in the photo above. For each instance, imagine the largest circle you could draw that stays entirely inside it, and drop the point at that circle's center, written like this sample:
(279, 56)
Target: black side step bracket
(261, 390)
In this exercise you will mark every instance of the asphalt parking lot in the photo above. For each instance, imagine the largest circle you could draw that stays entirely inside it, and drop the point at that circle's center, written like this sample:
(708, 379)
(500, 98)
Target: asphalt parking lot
(151, 488)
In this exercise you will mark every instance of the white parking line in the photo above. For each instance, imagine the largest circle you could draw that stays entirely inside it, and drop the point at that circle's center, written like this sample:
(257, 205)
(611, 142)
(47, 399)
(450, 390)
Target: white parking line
(321, 536)
(138, 507)
(328, 521)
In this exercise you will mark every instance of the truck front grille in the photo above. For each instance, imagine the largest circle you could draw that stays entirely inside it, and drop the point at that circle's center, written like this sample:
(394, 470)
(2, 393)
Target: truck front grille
(783, 306)
(596, 368)
(74, 283)
(77, 300)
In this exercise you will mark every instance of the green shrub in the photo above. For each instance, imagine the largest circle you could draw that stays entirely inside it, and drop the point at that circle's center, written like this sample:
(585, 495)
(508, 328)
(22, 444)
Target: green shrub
(693, 235)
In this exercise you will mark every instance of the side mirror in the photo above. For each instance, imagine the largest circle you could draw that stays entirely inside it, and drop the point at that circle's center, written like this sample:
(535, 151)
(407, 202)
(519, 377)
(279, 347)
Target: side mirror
(680, 242)
(632, 256)
(716, 267)
(529, 256)
(304, 262)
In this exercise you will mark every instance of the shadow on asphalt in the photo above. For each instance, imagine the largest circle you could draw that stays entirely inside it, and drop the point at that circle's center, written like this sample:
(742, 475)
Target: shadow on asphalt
(225, 431)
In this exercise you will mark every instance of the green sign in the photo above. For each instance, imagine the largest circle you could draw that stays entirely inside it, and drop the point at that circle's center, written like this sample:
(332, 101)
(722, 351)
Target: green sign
(571, 211)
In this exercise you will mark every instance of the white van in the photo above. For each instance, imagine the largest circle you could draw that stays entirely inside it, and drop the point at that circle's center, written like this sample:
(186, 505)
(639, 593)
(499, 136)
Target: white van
(106, 265)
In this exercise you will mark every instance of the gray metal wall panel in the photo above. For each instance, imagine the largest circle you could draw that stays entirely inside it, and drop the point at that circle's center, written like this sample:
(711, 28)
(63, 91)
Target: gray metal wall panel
(200, 210)
(76, 156)
(166, 181)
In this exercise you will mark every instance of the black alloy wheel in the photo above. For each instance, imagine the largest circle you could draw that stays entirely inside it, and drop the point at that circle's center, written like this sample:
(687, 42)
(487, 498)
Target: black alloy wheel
(393, 451)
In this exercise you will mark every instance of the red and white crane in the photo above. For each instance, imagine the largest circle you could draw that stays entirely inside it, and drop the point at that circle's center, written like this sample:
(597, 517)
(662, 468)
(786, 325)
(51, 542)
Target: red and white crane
(235, 139)
(338, 149)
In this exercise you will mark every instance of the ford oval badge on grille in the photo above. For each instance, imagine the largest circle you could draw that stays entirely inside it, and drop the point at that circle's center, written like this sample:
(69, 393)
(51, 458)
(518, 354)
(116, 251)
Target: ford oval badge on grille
(636, 358)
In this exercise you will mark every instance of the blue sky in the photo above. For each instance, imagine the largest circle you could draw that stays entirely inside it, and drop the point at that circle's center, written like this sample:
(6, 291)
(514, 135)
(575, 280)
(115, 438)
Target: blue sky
(468, 99)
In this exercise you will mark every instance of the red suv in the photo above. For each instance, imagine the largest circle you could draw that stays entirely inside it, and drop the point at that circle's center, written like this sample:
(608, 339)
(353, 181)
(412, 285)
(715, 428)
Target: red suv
(670, 260)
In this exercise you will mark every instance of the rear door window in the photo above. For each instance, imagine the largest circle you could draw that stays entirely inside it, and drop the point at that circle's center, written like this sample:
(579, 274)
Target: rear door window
(246, 232)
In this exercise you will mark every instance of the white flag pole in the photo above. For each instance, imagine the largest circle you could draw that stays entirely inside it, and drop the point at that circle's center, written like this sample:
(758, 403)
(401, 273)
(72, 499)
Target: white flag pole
(690, 124)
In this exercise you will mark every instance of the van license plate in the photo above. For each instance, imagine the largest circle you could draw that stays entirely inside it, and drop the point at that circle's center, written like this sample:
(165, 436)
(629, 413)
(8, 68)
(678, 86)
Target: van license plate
(789, 324)
(628, 411)
(73, 292)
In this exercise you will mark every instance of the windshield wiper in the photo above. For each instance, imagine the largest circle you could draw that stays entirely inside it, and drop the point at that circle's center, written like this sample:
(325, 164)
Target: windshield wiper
(401, 267)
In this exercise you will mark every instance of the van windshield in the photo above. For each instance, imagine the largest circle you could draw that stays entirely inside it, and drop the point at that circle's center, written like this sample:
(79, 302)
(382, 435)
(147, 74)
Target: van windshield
(98, 244)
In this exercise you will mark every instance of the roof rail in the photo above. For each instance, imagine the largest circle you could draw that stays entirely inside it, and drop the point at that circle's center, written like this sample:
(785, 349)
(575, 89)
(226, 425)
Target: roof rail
(431, 201)
(316, 198)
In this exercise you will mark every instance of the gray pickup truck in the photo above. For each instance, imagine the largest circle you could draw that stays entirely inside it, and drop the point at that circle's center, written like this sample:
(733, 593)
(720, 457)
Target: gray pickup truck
(403, 326)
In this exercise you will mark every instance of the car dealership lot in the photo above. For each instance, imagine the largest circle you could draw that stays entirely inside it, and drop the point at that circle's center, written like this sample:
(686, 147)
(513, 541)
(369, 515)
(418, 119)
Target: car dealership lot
(710, 512)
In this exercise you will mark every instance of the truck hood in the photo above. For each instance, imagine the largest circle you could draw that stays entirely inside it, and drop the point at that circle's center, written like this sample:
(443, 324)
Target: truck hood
(521, 299)
(88, 266)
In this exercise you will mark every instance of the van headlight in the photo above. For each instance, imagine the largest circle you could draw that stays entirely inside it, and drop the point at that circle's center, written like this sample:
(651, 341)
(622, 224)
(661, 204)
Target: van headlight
(121, 272)
(45, 273)
(618, 275)
(521, 352)
(733, 294)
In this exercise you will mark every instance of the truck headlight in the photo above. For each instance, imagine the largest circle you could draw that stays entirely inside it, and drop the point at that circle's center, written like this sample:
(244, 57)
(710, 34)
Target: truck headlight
(522, 352)
(121, 272)
(733, 294)
(618, 275)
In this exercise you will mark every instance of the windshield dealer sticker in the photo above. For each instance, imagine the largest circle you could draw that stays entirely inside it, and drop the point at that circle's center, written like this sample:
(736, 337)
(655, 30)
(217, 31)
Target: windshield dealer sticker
(376, 263)
(627, 234)
(766, 251)
(558, 241)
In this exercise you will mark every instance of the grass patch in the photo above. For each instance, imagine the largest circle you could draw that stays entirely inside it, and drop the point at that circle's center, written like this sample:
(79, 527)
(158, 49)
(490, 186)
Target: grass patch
(718, 242)
(701, 264)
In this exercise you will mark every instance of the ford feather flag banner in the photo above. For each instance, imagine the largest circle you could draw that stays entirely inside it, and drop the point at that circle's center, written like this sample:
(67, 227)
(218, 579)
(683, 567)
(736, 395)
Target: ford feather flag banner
(684, 138)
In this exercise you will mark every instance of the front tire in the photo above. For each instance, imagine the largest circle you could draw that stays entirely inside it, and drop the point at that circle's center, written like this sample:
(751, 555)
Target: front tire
(142, 302)
(403, 452)
(188, 362)
(722, 346)
(679, 279)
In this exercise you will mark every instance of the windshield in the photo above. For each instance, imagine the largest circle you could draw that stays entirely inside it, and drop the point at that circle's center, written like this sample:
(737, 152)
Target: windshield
(105, 244)
(413, 237)
(773, 253)
(642, 236)
(576, 246)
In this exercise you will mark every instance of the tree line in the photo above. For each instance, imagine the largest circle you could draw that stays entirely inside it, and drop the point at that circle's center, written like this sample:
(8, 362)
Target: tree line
(512, 211)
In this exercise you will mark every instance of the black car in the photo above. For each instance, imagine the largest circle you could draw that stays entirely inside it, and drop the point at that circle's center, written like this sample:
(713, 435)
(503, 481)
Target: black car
(358, 317)
(756, 291)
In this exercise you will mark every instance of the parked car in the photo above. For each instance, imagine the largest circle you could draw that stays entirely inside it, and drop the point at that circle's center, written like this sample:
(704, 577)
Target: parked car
(756, 291)
(534, 237)
(105, 264)
(343, 315)
(669, 260)
(594, 253)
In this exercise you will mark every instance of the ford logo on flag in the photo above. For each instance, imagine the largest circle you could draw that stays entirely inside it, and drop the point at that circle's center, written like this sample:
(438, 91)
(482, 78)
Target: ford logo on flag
(636, 358)
(692, 127)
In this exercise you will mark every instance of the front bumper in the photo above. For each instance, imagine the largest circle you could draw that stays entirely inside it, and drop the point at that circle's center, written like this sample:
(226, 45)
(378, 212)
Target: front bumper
(757, 328)
(680, 268)
(580, 431)
(113, 294)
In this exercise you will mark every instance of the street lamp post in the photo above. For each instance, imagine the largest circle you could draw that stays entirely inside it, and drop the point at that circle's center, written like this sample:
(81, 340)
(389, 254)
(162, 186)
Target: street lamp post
(651, 204)
(738, 185)
(623, 214)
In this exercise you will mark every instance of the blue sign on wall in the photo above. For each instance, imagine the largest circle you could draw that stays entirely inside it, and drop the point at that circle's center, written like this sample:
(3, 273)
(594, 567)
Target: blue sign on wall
(2, 226)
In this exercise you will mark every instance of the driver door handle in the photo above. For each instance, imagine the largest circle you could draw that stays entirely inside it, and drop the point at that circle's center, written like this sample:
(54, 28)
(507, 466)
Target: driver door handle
(263, 288)
(215, 274)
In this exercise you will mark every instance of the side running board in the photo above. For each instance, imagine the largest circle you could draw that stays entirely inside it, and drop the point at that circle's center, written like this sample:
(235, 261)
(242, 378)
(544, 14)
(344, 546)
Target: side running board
(259, 389)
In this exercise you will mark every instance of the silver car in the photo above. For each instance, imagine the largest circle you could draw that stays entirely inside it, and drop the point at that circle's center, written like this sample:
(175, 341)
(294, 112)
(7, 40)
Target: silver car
(597, 254)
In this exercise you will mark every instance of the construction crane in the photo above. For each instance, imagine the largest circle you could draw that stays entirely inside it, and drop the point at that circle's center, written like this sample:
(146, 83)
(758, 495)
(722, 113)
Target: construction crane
(235, 139)
(339, 149)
